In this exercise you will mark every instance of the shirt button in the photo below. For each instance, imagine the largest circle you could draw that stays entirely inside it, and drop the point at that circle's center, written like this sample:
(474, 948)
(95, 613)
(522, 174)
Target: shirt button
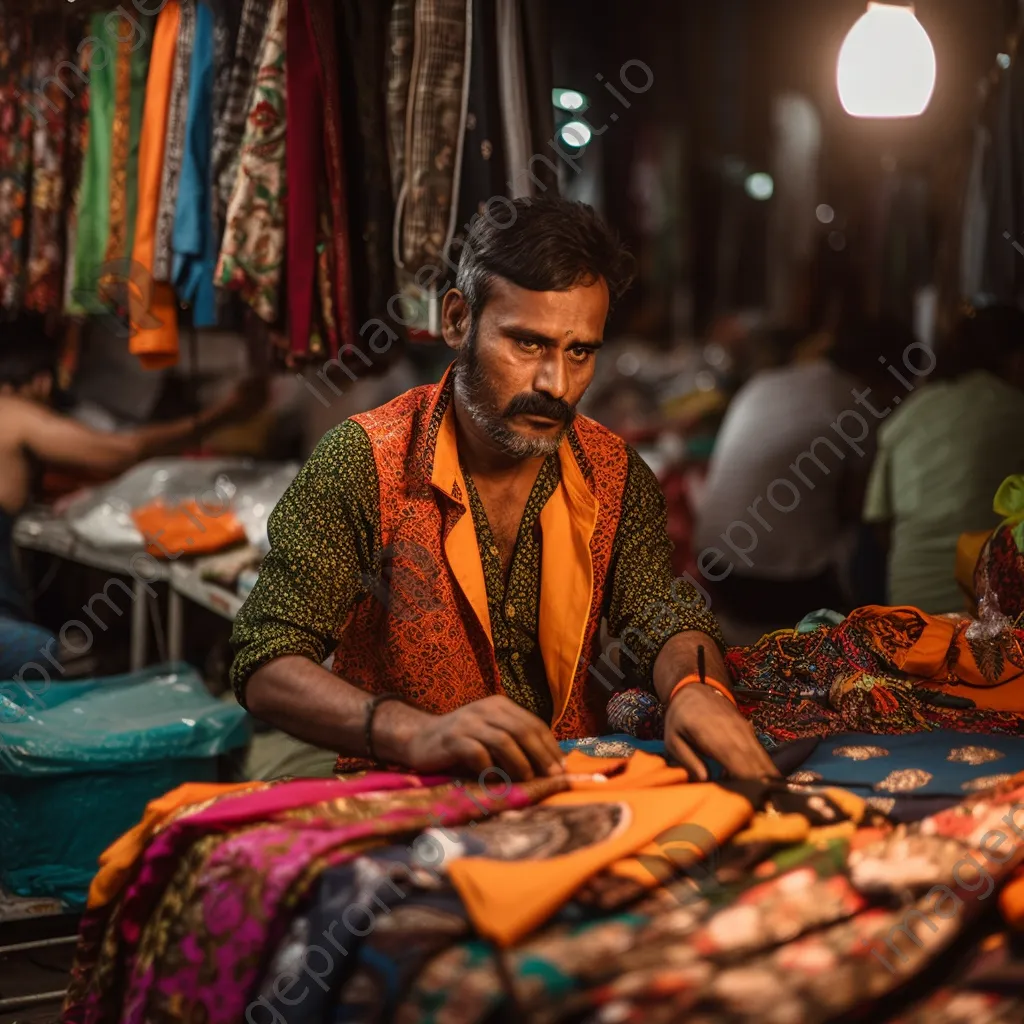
(515, 656)
(494, 550)
(510, 610)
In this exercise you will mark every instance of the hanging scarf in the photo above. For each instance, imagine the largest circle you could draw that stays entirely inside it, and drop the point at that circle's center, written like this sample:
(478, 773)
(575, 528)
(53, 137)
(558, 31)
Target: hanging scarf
(152, 307)
(252, 252)
(93, 214)
(195, 252)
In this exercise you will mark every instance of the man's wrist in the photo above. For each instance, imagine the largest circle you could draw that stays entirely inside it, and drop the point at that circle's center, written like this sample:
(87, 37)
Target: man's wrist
(394, 726)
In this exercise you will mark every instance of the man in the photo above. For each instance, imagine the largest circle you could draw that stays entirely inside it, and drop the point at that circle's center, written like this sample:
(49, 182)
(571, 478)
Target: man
(33, 436)
(460, 545)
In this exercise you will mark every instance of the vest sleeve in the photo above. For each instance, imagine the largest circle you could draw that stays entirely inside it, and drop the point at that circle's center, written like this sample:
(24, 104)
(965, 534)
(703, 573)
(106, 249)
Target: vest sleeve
(324, 539)
(647, 604)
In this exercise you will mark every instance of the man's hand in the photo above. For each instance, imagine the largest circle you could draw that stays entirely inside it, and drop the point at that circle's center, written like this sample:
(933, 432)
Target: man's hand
(700, 719)
(494, 731)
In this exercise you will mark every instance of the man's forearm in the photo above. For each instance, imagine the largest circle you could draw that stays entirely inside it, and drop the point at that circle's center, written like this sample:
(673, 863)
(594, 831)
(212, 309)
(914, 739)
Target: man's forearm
(678, 659)
(316, 706)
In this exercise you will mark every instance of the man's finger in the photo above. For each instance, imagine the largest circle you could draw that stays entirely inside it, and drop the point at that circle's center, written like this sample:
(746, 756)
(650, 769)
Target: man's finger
(684, 754)
(543, 750)
(533, 734)
(472, 754)
(507, 753)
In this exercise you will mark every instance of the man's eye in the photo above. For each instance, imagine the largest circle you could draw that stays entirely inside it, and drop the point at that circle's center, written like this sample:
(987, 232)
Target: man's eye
(581, 355)
(527, 346)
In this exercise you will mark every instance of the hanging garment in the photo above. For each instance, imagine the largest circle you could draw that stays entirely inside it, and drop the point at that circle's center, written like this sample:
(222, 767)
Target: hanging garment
(323, 34)
(152, 306)
(16, 129)
(363, 70)
(229, 123)
(435, 126)
(94, 213)
(537, 45)
(174, 144)
(47, 209)
(130, 67)
(304, 159)
(401, 41)
(77, 146)
(515, 103)
(484, 172)
(195, 249)
(253, 248)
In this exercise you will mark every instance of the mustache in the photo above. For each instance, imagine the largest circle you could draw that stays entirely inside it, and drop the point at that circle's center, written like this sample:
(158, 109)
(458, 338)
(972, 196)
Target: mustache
(536, 404)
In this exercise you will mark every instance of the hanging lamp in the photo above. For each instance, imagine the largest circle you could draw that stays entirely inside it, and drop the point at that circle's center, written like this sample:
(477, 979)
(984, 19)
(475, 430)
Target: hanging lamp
(886, 64)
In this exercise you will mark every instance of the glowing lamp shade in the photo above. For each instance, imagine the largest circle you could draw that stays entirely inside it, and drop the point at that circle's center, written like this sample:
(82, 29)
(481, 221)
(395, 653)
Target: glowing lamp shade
(886, 64)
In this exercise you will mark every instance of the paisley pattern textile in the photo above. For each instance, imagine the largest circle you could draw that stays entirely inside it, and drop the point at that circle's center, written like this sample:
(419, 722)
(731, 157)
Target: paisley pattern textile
(252, 251)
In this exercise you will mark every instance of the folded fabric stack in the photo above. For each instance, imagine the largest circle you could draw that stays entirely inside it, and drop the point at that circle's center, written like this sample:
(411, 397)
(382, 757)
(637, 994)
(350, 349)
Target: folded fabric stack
(619, 892)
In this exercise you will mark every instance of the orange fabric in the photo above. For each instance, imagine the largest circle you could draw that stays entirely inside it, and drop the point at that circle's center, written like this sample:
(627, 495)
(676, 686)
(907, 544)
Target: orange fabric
(443, 657)
(508, 899)
(172, 531)
(707, 681)
(1011, 901)
(117, 860)
(943, 659)
(152, 308)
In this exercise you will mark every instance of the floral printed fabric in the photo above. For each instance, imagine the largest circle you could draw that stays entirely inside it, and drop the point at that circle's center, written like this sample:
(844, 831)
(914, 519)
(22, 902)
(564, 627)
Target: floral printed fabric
(16, 127)
(44, 277)
(253, 248)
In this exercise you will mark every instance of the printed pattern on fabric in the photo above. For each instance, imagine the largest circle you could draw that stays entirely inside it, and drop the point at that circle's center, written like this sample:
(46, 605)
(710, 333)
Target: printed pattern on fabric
(851, 678)
(47, 238)
(16, 130)
(253, 249)
(229, 127)
(437, 102)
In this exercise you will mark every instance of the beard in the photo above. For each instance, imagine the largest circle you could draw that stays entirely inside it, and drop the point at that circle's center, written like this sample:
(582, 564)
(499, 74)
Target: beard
(477, 402)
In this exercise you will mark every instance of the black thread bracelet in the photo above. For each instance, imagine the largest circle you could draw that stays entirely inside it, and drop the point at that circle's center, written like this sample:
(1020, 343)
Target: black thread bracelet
(371, 714)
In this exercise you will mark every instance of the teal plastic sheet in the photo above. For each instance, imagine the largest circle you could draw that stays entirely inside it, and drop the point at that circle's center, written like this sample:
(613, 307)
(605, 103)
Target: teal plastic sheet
(80, 761)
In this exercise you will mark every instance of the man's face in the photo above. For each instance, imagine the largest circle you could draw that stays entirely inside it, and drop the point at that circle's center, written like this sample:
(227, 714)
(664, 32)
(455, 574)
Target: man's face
(525, 363)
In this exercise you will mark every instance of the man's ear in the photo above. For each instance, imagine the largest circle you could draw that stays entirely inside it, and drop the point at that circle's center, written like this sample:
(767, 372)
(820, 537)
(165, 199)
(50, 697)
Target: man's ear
(455, 319)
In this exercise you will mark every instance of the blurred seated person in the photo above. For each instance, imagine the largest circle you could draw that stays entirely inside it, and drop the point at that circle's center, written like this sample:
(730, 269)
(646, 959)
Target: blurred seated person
(943, 454)
(778, 518)
(34, 437)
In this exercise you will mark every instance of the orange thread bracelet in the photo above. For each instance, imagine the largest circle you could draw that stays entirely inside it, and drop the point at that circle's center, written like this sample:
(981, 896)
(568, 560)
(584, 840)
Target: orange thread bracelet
(706, 681)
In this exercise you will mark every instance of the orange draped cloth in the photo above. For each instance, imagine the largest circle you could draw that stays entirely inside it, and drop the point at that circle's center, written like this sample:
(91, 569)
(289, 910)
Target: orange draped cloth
(186, 529)
(152, 306)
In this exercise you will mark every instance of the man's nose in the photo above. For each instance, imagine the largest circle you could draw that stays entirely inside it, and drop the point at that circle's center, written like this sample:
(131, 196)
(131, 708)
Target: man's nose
(552, 376)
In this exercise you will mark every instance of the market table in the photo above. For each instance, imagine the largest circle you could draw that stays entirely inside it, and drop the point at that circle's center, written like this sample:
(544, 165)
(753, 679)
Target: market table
(40, 529)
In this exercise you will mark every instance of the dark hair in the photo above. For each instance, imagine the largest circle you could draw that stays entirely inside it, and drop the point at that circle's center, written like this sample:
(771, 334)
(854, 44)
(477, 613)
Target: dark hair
(26, 350)
(981, 339)
(863, 346)
(547, 244)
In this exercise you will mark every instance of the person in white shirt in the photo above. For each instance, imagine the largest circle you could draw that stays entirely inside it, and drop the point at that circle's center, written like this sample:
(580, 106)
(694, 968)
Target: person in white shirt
(778, 519)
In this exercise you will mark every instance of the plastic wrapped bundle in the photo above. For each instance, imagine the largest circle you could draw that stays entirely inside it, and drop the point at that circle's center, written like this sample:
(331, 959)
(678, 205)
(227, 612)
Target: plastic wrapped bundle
(80, 761)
